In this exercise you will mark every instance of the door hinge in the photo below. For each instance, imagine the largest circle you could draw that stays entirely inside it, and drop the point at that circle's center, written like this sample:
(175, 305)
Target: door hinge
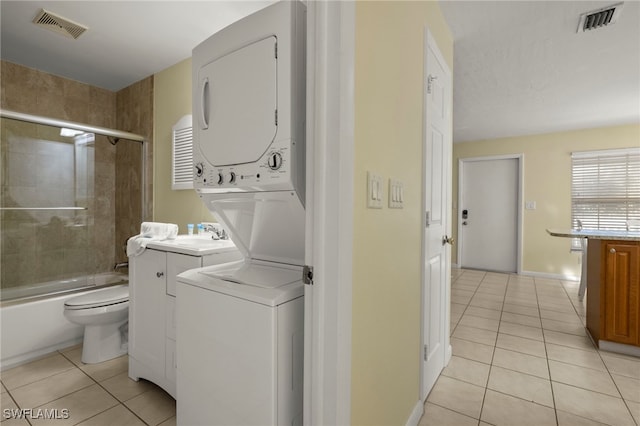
(430, 79)
(307, 274)
(275, 48)
(276, 117)
(426, 223)
(426, 352)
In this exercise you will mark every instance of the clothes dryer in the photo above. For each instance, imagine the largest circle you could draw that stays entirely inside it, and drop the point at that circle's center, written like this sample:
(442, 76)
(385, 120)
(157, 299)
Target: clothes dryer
(240, 326)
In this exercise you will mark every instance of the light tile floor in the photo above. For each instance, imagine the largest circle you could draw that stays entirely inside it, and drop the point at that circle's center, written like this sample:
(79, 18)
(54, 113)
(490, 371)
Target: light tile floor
(521, 356)
(94, 394)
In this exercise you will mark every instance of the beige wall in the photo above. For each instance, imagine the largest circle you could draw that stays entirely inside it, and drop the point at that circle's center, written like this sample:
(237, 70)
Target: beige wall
(389, 43)
(547, 181)
(172, 102)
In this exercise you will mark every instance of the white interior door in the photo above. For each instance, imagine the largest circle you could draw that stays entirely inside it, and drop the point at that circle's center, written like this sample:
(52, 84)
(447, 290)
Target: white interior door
(488, 210)
(437, 196)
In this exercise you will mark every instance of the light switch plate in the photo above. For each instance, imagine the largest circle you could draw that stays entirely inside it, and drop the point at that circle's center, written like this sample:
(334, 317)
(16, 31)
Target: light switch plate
(375, 190)
(396, 194)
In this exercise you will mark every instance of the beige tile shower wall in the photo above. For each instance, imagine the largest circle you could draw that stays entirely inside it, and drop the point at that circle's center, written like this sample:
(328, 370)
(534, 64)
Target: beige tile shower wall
(38, 171)
(134, 114)
(35, 92)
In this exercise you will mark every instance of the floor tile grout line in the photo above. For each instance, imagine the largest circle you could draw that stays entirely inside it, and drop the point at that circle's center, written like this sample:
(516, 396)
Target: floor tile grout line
(546, 354)
(493, 354)
(106, 390)
(597, 350)
(451, 409)
(467, 304)
(624, 401)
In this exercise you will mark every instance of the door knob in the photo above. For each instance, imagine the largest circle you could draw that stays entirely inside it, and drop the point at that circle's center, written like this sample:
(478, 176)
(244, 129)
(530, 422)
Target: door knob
(159, 274)
(612, 250)
(447, 240)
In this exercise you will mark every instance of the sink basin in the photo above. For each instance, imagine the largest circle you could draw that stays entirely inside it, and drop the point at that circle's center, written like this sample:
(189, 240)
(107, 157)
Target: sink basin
(195, 241)
(195, 245)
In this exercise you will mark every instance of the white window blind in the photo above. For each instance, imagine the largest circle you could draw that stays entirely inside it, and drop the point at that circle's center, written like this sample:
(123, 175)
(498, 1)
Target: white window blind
(605, 188)
(182, 176)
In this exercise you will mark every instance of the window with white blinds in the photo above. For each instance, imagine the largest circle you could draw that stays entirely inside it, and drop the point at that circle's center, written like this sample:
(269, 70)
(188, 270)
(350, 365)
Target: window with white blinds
(182, 176)
(605, 188)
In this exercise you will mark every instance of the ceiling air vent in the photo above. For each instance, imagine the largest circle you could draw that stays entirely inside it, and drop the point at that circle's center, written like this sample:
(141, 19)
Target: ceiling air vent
(599, 18)
(58, 24)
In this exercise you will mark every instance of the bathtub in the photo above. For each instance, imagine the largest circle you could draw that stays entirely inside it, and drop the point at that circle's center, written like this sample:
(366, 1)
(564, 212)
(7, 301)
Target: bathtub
(32, 327)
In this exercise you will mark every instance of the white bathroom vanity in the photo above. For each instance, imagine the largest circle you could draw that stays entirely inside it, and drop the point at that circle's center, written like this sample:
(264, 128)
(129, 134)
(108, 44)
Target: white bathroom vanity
(152, 286)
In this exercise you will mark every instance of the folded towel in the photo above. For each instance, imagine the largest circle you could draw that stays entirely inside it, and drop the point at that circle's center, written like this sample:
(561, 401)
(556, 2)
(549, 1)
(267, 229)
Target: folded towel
(150, 231)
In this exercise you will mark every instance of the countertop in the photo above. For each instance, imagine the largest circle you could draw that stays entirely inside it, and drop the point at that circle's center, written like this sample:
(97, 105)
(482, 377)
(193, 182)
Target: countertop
(193, 245)
(596, 234)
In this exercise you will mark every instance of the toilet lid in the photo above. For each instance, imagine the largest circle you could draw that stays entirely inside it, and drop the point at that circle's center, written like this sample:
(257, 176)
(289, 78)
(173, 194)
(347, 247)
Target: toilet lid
(106, 296)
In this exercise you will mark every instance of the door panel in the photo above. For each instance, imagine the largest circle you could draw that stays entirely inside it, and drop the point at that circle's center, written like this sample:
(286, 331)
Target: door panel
(237, 89)
(489, 232)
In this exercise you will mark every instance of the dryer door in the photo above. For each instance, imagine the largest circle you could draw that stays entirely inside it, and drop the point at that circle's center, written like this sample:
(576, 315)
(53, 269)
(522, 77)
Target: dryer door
(237, 105)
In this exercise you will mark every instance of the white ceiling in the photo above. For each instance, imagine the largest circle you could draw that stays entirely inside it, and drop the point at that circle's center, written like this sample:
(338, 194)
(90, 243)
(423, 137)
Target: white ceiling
(126, 41)
(519, 68)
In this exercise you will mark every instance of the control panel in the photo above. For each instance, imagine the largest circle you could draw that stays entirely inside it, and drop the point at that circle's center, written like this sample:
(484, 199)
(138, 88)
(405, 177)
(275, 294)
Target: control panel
(272, 171)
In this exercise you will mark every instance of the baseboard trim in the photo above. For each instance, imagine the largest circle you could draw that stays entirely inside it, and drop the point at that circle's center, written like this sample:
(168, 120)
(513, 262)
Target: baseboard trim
(620, 348)
(550, 276)
(416, 414)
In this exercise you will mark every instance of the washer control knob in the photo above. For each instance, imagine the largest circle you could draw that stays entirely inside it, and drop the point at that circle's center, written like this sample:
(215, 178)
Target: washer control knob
(275, 161)
(199, 169)
(220, 179)
(232, 177)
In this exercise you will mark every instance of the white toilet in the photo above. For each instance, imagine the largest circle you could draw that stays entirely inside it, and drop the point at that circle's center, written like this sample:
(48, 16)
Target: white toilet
(104, 314)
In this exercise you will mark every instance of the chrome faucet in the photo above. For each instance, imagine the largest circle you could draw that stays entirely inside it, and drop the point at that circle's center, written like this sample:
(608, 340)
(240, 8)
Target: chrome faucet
(218, 233)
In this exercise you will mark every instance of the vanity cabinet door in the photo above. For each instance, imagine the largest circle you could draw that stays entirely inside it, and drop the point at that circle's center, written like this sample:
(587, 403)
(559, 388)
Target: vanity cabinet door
(621, 292)
(146, 317)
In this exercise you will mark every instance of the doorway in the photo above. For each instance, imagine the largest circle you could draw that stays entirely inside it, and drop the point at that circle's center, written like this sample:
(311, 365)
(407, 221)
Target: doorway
(489, 213)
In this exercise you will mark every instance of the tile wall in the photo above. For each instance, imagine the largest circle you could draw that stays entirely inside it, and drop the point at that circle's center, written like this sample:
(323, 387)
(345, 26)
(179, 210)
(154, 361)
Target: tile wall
(117, 212)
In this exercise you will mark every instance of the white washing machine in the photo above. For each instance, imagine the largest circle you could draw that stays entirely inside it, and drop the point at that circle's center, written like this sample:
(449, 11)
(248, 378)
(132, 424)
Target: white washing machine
(240, 332)
(240, 326)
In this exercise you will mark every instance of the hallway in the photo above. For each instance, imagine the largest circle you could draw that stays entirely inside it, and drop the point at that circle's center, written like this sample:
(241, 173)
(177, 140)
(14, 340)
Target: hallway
(521, 356)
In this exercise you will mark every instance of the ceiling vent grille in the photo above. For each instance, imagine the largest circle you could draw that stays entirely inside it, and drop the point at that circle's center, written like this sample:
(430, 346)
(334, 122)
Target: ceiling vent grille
(58, 24)
(599, 18)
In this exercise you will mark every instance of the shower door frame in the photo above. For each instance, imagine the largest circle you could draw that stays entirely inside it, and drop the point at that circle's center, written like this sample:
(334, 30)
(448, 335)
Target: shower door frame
(41, 120)
(38, 119)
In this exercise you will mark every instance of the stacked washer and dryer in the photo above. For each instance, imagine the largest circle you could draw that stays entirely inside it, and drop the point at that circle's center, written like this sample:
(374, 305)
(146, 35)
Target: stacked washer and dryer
(240, 325)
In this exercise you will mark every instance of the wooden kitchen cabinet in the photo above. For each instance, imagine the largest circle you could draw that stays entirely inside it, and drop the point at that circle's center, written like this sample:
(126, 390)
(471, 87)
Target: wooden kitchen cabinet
(613, 291)
(621, 292)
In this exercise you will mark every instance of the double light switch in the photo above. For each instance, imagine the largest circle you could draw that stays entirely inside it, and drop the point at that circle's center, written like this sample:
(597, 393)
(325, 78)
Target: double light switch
(375, 192)
(396, 194)
(375, 188)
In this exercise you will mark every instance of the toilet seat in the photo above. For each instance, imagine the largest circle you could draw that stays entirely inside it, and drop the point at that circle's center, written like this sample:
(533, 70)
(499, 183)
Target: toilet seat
(95, 299)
